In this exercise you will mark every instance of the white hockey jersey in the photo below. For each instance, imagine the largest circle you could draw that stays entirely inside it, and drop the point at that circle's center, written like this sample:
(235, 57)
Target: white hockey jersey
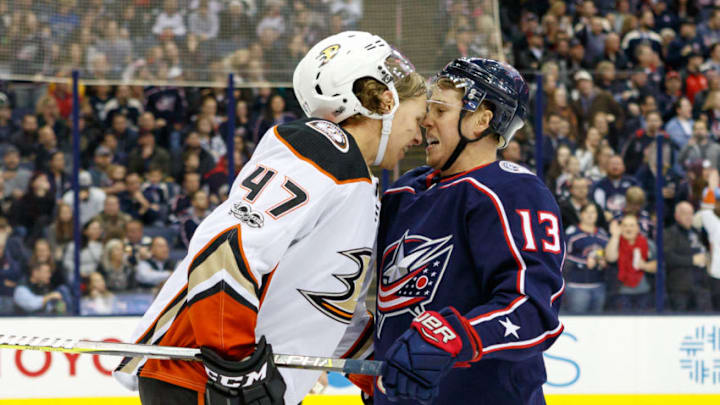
(286, 256)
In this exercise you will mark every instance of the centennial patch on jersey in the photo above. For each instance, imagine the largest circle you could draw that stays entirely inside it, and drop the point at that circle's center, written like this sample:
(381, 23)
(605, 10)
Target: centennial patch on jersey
(514, 167)
(245, 213)
(412, 269)
(340, 306)
(331, 132)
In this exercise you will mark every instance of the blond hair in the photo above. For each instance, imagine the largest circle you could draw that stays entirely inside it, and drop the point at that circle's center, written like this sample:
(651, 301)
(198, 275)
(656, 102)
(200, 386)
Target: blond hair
(369, 90)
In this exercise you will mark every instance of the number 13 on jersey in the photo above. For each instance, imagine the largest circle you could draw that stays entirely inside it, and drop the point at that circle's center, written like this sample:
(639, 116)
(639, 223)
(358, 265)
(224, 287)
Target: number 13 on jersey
(552, 231)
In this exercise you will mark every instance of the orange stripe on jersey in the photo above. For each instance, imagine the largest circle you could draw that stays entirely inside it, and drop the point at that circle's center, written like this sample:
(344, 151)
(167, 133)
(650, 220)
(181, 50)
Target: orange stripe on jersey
(244, 259)
(266, 284)
(337, 311)
(218, 321)
(315, 165)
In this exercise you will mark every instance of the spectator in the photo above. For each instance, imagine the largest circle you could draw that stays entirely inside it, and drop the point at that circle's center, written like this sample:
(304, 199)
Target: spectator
(273, 18)
(181, 202)
(643, 34)
(16, 178)
(117, 47)
(562, 183)
(48, 113)
(635, 256)
(147, 154)
(99, 171)
(600, 163)
(613, 53)
(7, 126)
(123, 104)
(217, 179)
(558, 165)
(204, 23)
(634, 150)
(170, 22)
(351, 10)
(98, 300)
(10, 275)
(60, 233)
(709, 31)
(635, 203)
(90, 252)
(686, 261)
(155, 269)
(35, 296)
(700, 148)
(713, 63)
(45, 147)
(32, 213)
(166, 102)
(115, 266)
(127, 138)
(591, 100)
(58, 178)
(674, 188)
(42, 254)
(198, 212)
(533, 56)
(585, 264)
(668, 100)
(203, 160)
(609, 192)
(695, 81)
(684, 44)
(237, 27)
(711, 112)
(26, 137)
(91, 198)
(210, 140)
(457, 48)
(680, 127)
(157, 192)
(135, 203)
(570, 207)
(590, 145)
(112, 220)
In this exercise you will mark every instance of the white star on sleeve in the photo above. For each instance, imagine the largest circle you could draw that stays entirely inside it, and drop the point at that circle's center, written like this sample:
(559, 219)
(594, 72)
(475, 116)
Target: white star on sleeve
(510, 328)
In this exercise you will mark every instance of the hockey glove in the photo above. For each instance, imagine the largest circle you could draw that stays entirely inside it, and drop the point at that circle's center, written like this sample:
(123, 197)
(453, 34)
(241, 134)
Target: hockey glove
(419, 359)
(251, 381)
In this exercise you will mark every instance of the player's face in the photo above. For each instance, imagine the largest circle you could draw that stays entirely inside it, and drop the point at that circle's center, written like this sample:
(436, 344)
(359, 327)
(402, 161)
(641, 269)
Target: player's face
(405, 130)
(442, 136)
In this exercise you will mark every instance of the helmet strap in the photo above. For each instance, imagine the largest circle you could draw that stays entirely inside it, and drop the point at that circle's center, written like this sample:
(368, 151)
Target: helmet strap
(463, 142)
(386, 124)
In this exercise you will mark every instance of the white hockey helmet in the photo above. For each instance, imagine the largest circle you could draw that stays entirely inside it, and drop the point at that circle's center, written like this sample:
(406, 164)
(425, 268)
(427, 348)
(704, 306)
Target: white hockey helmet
(323, 80)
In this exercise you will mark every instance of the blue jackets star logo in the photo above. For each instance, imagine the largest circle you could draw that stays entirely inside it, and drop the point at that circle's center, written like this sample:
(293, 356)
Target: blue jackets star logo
(412, 268)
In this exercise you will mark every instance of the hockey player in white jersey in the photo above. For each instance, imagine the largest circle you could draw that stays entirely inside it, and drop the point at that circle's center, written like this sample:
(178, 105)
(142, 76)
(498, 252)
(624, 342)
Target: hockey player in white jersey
(282, 264)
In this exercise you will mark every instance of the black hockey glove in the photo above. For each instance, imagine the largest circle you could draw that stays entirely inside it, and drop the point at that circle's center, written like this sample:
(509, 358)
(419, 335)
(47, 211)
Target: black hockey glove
(251, 381)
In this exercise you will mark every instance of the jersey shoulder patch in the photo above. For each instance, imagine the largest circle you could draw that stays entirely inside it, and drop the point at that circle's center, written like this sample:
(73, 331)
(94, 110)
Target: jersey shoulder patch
(327, 147)
(511, 167)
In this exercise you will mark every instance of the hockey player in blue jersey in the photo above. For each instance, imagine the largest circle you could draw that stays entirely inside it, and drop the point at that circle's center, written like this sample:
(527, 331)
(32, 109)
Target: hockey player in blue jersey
(470, 252)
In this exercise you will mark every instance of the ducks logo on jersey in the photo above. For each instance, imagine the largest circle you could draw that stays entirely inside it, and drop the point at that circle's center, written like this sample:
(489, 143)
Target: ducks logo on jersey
(412, 268)
(340, 306)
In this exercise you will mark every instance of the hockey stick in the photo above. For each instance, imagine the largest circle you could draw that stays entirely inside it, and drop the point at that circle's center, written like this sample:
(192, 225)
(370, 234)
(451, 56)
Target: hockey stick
(348, 366)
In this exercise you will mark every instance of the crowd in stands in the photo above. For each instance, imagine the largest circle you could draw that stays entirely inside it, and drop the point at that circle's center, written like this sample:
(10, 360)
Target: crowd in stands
(153, 164)
(617, 75)
(194, 40)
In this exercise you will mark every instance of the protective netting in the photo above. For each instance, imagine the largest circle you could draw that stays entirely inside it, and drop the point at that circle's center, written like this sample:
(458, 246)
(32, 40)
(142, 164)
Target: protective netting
(198, 42)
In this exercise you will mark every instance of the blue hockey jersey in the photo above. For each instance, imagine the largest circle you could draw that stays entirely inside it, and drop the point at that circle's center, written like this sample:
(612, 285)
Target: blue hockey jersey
(580, 246)
(488, 242)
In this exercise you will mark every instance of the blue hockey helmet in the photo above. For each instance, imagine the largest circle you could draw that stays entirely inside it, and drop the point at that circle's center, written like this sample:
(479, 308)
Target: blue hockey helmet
(495, 82)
